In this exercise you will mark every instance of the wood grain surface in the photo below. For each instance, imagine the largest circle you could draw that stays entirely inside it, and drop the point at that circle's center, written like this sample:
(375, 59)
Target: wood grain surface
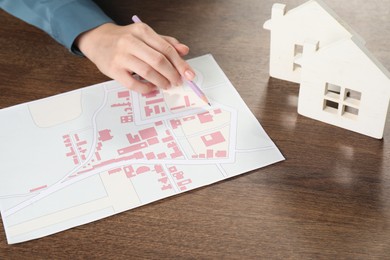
(329, 200)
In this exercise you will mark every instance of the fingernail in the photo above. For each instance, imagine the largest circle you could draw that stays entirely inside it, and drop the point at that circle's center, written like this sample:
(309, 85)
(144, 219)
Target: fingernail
(189, 75)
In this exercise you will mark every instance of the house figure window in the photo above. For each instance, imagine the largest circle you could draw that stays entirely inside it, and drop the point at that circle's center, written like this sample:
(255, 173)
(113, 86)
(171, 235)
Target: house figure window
(341, 101)
(298, 50)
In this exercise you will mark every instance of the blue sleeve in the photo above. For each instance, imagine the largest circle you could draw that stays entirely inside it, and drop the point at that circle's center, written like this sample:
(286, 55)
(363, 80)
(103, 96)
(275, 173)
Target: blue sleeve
(64, 20)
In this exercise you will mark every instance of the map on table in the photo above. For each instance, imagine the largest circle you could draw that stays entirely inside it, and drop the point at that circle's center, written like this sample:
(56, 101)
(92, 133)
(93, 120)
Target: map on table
(84, 155)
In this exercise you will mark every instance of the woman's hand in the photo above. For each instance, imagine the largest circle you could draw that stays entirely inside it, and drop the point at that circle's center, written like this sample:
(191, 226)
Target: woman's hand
(120, 51)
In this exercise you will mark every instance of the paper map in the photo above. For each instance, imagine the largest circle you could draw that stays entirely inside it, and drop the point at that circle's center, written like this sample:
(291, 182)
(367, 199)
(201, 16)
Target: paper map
(85, 155)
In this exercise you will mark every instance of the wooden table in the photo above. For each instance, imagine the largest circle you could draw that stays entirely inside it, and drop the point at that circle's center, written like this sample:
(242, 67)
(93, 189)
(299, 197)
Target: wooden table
(329, 199)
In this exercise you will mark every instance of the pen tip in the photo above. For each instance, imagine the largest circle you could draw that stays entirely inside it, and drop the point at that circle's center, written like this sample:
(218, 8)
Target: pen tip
(209, 104)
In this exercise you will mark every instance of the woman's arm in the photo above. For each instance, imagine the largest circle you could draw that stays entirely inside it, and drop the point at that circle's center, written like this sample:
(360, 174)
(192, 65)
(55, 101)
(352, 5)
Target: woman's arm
(64, 20)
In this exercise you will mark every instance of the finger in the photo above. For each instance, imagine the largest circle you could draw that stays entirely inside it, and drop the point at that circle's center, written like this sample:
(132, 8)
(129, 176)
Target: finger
(174, 58)
(151, 38)
(170, 39)
(147, 72)
(156, 60)
(181, 48)
(131, 83)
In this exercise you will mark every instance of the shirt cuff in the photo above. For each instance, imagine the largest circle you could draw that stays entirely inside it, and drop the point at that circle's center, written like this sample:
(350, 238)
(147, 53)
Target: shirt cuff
(74, 18)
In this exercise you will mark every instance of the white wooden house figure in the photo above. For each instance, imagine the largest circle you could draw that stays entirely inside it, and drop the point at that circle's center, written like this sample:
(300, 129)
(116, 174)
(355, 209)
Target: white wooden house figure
(344, 85)
(289, 30)
(341, 82)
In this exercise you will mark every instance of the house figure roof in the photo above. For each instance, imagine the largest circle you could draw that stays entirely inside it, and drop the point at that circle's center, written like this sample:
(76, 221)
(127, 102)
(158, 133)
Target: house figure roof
(289, 30)
(311, 19)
